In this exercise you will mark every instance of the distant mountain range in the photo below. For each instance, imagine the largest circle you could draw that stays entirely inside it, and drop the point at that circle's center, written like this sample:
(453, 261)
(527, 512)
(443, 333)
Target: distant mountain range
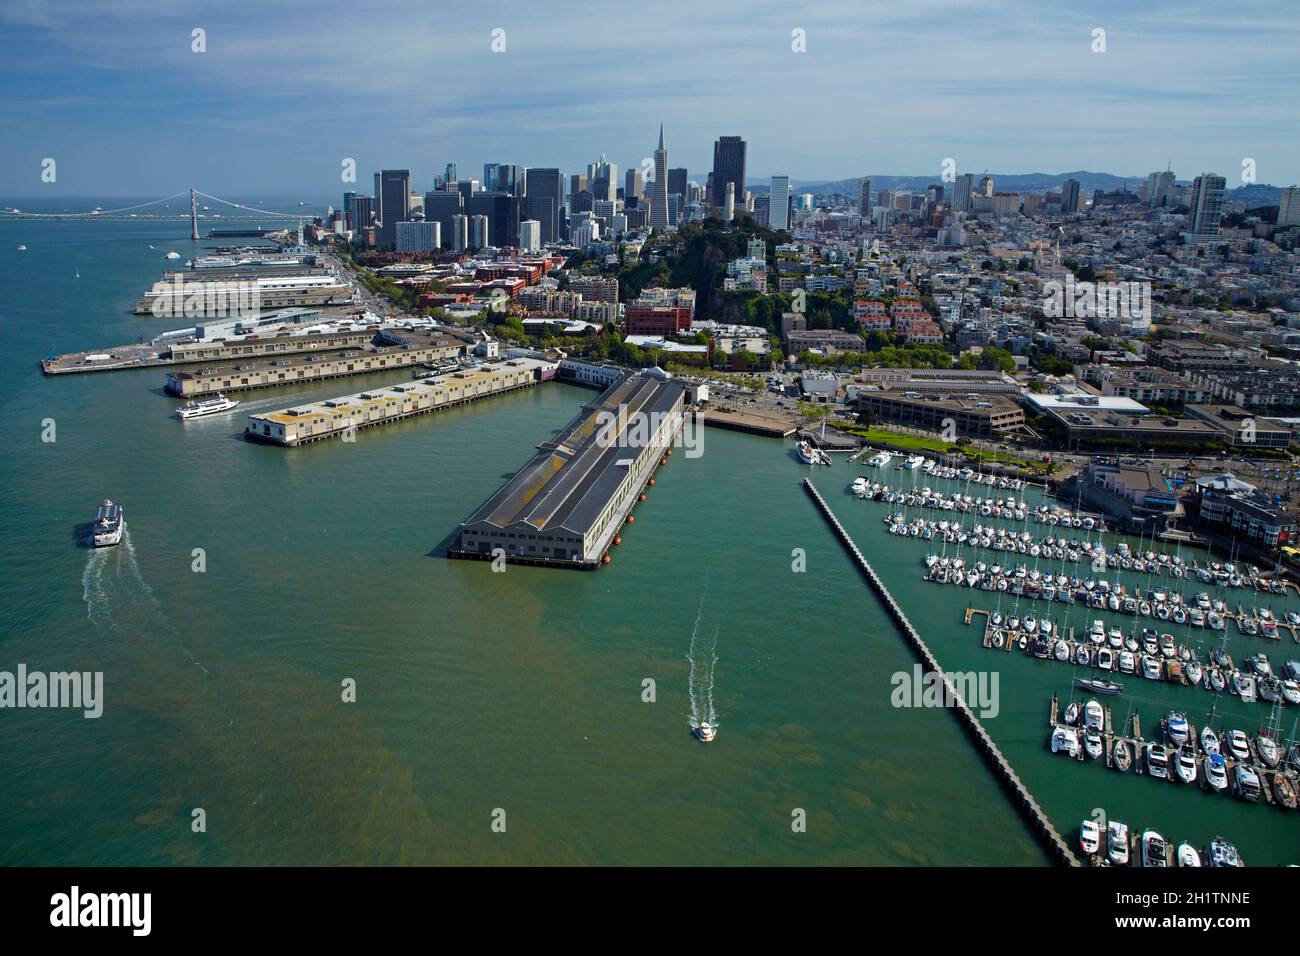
(1253, 195)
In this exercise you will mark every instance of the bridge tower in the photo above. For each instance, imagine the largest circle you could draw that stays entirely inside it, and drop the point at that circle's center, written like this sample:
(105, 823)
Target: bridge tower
(194, 218)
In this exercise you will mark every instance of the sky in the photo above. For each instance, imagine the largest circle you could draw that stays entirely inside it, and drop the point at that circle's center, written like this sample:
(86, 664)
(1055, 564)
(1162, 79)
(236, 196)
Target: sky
(286, 91)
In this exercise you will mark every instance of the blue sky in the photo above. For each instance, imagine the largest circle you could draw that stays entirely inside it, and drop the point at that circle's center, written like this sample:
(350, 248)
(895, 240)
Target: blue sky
(286, 90)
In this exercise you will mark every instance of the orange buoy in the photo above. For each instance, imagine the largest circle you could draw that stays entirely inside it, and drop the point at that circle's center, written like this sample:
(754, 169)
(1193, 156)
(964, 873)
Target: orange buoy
(652, 482)
(617, 539)
(643, 497)
(663, 461)
(630, 519)
(605, 560)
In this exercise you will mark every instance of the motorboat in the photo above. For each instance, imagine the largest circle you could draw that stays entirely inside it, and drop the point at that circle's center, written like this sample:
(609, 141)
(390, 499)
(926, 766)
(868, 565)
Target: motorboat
(1065, 740)
(1238, 745)
(1187, 855)
(1157, 762)
(1154, 849)
(1098, 685)
(1216, 772)
(1185, 765)
(1127, 662)
(109, 524)
(1117, 842)
(1092, 744)
(1247, 782)
(1268, 750)
(1072, 712)
(1209, 740)
(1176, 727)
(1122, 756)
(1223, 853)
(705, 732)
(1150, 667)
(1090, 837)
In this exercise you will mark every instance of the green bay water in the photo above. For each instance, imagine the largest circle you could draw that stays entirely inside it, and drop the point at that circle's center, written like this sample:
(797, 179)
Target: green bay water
(476, 691)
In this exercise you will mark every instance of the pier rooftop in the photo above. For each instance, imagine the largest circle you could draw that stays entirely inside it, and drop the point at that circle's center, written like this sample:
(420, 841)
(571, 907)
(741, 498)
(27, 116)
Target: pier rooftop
(337, 417)
(564, 507)
(388, 349)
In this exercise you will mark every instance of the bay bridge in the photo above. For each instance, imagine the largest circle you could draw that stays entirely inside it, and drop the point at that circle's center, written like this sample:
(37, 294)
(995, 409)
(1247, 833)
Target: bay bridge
(149, 211)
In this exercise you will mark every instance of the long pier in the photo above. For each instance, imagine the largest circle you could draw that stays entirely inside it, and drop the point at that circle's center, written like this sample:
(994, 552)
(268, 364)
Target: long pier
(1042, 826)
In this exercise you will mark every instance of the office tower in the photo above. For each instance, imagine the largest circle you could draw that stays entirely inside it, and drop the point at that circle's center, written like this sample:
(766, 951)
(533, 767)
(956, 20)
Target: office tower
(659, 188)
(728, 204)
(478, 232)
(778, 209)
(633, 187)
(584, 201)
(864, 197)
(361, 212)
(677, 183)
(1206, 207)
(728, 167)
(934, 195)
(1288, 210)
(442, 206)
(583, 230)
(347, 204)
(1070, 196)
(602, 179)
(577, 183)
(986, 187)
(502, 213)
(490, 176)
(418, 236)
(544, 196)
(962, 188)
(467, 188)
(1160, 188)
(450, 176)
(674, 209)
(530, 235)
(460, 232)
(510, 179)
(392, 201)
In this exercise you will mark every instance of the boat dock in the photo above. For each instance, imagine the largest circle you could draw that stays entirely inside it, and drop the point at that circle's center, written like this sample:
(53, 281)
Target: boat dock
(338, 417)
(1131, 736)
(1037, 818)
(755, 421)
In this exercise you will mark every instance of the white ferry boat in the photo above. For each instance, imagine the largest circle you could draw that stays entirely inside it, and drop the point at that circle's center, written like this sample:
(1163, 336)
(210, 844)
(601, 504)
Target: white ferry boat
(109, 525)
(205, 406)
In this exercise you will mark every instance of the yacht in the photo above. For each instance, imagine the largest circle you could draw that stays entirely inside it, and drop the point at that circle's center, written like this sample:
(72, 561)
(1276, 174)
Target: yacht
(109, 525)
(1185, 765)
(172, 255)
(1268, 750)
(1157, 762)
(810, 455)
(1238, 745)
(1209, 740)
(1176, 727)
(1090, 837)
(1247, 782)
(1065, 741)
(1223, 853)
(205, 406)
(1092, 715)
(1187, 855)
(1117, 842)
(1098, 686)
(1153, 849)
(704, 732)
(1216, 772)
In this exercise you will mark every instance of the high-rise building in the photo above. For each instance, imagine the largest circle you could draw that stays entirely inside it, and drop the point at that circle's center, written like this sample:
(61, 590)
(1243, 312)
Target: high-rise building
(1205, 206)
(602, 179)
(864, 197)
(962, 188)
(478, 232)
(361, 212)
(728, 167)
(460, 232)
(778, 210)
(1288, 210)
(442, 206)
(659, 188)
(1160, 187)
(502, 213)
(490, 176)
(450, 176)
(530, 235)
(418, 237)
(985, 187)
(392, 201)
(577, 183)
(510, 179)
(633, 187)
(544, 195)
(1070, 196)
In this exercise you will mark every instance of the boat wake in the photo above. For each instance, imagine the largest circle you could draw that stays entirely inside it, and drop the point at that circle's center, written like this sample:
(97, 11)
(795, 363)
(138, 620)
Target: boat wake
(699, 683)
(119, 602)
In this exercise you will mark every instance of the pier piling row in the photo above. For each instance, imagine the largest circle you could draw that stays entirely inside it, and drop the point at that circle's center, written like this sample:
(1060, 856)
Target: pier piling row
(1042, 826)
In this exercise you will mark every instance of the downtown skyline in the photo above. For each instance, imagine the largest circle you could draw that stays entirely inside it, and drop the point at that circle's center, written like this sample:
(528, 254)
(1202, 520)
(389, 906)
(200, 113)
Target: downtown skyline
(1020, 92)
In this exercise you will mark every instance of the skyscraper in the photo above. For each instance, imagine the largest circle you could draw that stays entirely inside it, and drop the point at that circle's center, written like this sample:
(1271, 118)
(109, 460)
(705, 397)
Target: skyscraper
(1288, 210)
(1206, 207)
(392, 201)
(778, 211)
(728, 167)
(501, 210)
(361, 212)
(1070, 195)
(659, 188)
(864, 197)
(633, 187)
(962, 188)
(544, 195)
(442, 206)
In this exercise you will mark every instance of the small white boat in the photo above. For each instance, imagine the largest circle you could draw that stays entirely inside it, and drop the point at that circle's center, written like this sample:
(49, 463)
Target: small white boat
(21, 247)
(704, 732)
(1187, 855)
(1065, 741)
(1216, 772)
(1223, 853)
(172, 255)
(1117, 842)
(1090, 837)
(1209, 740)
(1176, 727)
(205, 406)
(1185, 765)
(1153, 849)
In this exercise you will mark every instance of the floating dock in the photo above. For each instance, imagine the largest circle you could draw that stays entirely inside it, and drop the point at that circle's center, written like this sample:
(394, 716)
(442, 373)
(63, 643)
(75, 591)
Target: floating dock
(340, 417)
(1038, 820)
